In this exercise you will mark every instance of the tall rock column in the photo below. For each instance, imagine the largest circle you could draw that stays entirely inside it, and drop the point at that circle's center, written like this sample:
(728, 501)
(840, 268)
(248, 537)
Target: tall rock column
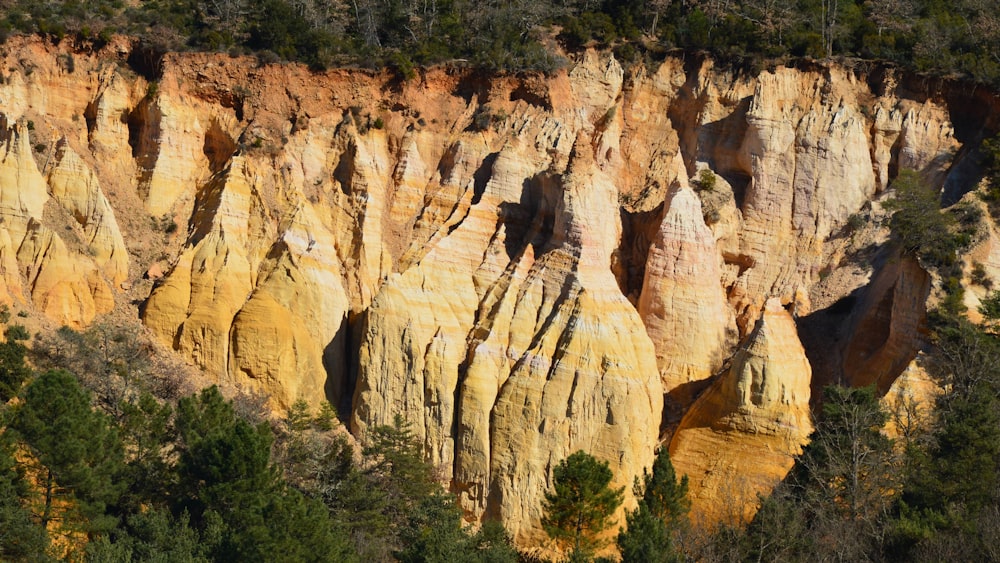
(564, 364)
(741, 436)
(683, 303)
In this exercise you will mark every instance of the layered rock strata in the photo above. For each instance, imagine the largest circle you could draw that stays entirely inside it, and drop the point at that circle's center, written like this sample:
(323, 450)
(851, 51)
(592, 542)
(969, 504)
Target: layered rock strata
(520, 266)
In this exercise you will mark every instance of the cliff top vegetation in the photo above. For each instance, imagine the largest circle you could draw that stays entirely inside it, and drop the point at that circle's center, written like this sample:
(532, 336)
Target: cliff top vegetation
(959, 38)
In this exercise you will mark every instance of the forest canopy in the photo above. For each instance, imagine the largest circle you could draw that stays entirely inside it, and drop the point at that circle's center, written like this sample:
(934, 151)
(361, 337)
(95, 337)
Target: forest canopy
(959, 37)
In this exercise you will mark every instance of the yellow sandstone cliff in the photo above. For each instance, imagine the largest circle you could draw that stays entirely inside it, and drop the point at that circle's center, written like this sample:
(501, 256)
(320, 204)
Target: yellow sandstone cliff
(520, 266)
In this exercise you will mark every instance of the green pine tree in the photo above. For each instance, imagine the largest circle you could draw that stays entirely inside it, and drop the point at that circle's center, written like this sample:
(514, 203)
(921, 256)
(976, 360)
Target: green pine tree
(13, 369)
(79, 453)
(580, 506)
(231, 489)
(951, 493)
(21, 539)
(662, 510)
(837, 501)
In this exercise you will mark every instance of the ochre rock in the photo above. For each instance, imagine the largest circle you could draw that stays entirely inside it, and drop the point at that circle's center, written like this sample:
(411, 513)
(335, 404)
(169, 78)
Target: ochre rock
(889, 325)
(806, 152)
(587, 380)
(288, 339)
(67, 287)
(194, 306)
(910, 403)
(23, 193)
(516, 264)
(683, 303)
(77, 189)
(740, 437)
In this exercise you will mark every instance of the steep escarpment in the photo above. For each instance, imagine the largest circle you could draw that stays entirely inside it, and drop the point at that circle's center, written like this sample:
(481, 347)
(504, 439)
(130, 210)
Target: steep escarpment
(519, 266)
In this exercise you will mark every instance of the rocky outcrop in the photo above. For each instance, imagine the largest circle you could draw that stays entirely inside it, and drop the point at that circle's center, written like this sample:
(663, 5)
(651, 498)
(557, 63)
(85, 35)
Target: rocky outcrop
(889, 326)
(683, 303)
(520, 266)
(75, 186)
(740, 438)
(65, 285)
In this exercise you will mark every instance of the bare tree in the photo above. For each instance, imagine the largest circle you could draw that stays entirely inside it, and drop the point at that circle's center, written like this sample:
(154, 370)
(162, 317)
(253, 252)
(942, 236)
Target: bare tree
(890, 15)
(772, 17)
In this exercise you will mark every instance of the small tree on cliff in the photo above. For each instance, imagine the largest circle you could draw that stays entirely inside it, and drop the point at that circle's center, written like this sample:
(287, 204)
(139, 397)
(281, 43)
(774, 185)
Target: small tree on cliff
(662, 510)
(579, 507)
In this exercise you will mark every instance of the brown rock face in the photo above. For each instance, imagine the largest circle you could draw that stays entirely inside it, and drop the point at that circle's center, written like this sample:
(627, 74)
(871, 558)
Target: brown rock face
(890, 326)
(519, 266)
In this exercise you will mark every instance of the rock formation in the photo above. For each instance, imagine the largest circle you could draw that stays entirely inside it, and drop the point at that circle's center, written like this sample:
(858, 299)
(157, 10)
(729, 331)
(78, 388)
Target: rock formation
(740, 438)
(683, 303)
(520, 266)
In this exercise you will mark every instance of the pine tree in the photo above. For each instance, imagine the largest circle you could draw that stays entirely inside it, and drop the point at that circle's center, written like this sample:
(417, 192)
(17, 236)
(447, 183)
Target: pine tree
(20, 538)
(13, 370)
(147, 434)
(580, 506)
(231, 489)
(952, 490)
(77, 449)
(662, 510)
(837, 501)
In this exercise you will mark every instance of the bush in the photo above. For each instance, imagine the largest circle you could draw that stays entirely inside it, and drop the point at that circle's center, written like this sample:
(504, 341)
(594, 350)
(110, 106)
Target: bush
(705, 181)
(933, 237)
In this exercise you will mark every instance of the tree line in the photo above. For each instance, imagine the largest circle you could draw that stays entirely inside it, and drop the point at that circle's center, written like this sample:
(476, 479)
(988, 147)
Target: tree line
(960, 37)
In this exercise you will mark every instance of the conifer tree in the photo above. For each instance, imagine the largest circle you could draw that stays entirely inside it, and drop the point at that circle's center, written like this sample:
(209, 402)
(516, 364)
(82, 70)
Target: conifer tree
(77, 449)
(233, 492)
(20, 538)
(13, 370)
(580, 506)
(662, 510)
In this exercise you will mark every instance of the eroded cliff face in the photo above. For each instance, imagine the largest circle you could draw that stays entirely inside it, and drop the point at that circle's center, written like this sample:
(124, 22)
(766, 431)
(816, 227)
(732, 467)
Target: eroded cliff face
(757, 412)
(521, 267)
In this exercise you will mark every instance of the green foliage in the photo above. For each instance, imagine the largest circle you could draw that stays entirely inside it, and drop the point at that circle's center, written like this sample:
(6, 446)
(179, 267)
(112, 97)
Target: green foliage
(152, 535)
(200, 483)
(13, 369)
(79, 452)
(20, 538)
(989, 308)
(389, 505)
(662, 511)
(925, 35)
(147, 434)
(579, 31)
(948, 507)
(580, 506)
(705, 181)
(838, 500)
(958, 475)
(434, 534)
(920, 227)
(227, 481)
(990, 149)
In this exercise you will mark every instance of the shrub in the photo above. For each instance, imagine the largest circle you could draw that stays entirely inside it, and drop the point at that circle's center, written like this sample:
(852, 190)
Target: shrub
(705, 181)
(920, 227)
